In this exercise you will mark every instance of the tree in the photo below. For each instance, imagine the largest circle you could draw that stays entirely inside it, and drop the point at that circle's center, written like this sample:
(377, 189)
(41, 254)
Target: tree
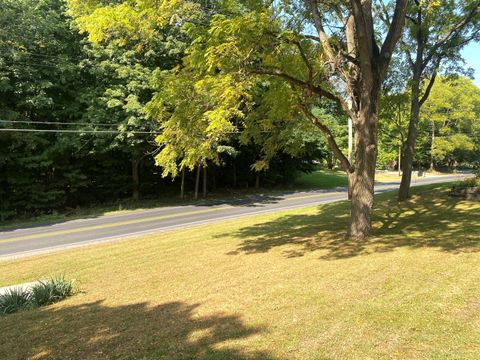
(393, 127)
(453, 110)
(126, 44)
(39, 82)
(268, 44)
(435, 34)
(192, 133)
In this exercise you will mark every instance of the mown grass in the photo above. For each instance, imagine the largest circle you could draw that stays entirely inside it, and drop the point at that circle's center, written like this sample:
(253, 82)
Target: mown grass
(321, 179)
(280, 286)
(394, 177)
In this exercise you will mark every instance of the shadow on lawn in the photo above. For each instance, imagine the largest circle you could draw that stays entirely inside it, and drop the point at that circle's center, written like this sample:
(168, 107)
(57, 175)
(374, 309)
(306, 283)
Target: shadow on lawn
(96, 331)
(430, 220)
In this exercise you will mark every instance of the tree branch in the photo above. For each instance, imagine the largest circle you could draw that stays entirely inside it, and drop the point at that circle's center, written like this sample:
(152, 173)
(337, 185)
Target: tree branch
(394, 33)
(305, 85)
(364, 34)
(330, 138)
(454, 31)
(305, 60)
(429, 87)
(317, 21)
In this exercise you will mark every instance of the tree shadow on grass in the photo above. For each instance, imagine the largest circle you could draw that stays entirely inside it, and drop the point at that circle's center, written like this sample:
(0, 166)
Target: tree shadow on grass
(429, 219)
(95, 331)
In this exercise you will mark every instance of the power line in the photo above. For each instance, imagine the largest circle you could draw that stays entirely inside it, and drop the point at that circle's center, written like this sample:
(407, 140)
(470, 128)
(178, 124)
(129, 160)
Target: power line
(21, 51)
(78, 131)
(83, 131)
(38, 65)
(53, 123)
(98, 131)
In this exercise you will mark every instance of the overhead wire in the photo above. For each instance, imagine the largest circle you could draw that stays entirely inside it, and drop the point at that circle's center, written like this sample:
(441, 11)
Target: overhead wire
(53, 123)
(58, 123)
(76, 131)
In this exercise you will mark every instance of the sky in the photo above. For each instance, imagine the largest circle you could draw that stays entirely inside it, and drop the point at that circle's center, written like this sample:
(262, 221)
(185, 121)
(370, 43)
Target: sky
(471, 54)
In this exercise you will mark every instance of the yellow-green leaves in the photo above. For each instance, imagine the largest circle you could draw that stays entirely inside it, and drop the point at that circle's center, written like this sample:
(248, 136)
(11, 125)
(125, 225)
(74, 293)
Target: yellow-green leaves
(136, 22)
(196, 116)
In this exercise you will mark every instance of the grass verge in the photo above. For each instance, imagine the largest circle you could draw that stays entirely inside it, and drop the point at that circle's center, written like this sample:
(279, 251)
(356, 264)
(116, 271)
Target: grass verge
(280, 286)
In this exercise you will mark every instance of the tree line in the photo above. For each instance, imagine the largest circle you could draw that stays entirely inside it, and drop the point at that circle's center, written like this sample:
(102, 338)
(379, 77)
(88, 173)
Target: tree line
(128, 95)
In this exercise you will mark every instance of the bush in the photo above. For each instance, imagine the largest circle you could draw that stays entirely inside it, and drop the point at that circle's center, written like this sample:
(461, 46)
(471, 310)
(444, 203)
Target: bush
(472, 182)
(14, 300)
(52, 291)
(41, 294)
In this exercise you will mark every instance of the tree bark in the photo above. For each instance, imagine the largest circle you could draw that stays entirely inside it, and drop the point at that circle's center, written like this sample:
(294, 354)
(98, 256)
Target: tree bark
(135, 180)
(182, 185)
(204, 181)
(404, 191)
(363, 178)
(257, 181)
(197, 182)
(330, 161)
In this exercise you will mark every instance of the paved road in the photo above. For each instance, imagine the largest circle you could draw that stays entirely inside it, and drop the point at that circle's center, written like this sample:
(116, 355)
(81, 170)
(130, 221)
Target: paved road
(33, 240)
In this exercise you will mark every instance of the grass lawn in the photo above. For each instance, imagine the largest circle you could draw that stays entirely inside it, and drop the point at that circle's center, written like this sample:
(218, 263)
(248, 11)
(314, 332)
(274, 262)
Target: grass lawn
(321, 179)
(277, 286)
(326, 179)
(389, 177)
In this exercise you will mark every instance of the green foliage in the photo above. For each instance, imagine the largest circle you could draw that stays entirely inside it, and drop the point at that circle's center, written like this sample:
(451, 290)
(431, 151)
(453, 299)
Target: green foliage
(453, 109)
(51, 291)
(219, 90)
(393, 126)
(199, 80)
(472, 182)
(14, 300)
(41, 294)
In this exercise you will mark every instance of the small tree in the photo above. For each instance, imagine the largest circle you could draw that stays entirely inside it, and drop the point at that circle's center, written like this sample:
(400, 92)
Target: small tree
(193, 128)
(453, 110)
(436, 31)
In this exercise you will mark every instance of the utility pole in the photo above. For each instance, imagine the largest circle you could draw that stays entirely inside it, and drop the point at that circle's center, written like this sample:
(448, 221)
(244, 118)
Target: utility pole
(432, 148)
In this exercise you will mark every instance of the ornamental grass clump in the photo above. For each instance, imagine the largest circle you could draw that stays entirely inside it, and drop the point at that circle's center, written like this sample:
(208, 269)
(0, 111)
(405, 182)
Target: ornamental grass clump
(51, 291)
(14, 300)
(44, 293)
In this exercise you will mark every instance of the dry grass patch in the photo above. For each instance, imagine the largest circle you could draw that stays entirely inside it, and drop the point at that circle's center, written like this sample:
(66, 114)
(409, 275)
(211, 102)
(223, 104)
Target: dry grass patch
(280, 286)
(389, 177)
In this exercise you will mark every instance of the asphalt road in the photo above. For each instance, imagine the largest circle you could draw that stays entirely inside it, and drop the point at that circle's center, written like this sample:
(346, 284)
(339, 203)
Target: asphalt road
(62, 235)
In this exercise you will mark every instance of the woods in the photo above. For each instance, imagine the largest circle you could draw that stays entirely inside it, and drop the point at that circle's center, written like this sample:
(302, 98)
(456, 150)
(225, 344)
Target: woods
(105, 100)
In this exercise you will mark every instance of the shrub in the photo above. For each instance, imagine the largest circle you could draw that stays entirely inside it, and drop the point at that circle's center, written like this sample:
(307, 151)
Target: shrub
(472, 182)
(14, 299)
(51, 291)
(43, 293)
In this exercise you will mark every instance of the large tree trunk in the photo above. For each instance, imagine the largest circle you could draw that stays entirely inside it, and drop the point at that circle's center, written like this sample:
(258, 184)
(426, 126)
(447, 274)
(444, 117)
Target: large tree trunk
(409, 149)
(135, 179)
(363, 178)
(417, 69)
